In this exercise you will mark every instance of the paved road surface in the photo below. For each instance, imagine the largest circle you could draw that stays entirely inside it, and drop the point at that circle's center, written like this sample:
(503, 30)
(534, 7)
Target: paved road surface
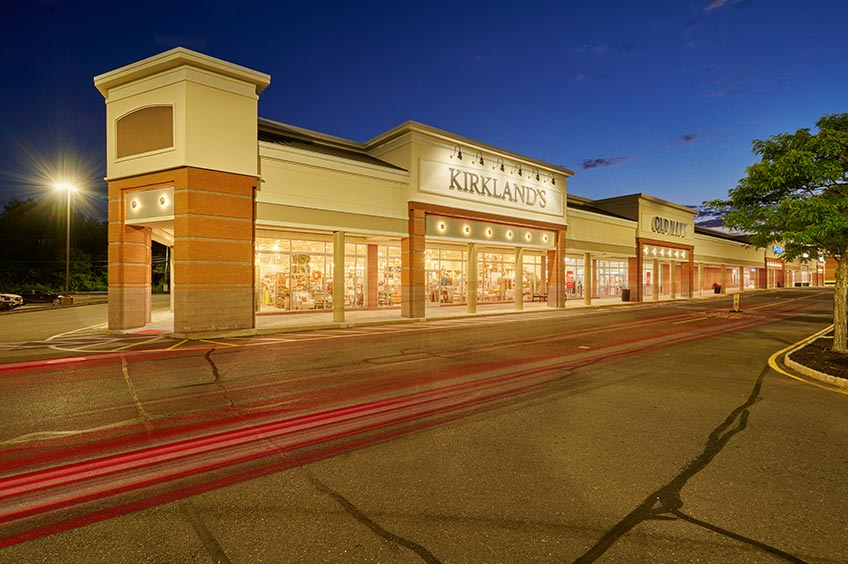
(629, 434)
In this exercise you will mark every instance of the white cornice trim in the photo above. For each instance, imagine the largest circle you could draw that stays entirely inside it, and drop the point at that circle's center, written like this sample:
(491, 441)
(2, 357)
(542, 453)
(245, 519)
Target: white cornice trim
(175, 58)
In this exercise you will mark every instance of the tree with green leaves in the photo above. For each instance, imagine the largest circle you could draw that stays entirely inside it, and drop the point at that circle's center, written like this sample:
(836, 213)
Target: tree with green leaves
(797, 196)
(32, 247)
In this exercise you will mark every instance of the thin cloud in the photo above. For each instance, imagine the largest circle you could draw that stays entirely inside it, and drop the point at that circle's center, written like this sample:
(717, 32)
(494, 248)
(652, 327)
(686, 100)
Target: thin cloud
(602, 162)
(601, 49)
(723, 93)
(687, 138)
(716, 4)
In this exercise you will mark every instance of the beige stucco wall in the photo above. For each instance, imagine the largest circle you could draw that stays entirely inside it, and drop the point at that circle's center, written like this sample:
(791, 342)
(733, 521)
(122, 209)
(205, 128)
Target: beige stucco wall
(721, 251)
(432, 164)
(650, 209)
(429, 154)
(590, 232)
(302, 180)
(215, 112)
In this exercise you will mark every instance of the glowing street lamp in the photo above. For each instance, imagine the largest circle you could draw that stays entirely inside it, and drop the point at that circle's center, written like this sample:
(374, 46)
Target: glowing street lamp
(69, 189)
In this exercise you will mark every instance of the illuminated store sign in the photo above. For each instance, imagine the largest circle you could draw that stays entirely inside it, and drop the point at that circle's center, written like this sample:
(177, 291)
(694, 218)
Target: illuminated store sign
(488, 186)
(464, 181)
(668, 226)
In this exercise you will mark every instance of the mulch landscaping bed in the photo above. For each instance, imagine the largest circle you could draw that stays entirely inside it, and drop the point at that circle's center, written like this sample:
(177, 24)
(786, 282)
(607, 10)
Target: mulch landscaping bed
(818, 356)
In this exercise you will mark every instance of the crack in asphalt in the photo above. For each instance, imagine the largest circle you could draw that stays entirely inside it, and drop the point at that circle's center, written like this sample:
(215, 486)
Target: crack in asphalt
(375, 527)
(216, 378)
(207, 539)
(666, 503)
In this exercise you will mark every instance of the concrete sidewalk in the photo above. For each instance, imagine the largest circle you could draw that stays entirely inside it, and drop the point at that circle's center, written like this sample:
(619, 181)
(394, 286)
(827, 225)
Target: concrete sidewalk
(163, 321)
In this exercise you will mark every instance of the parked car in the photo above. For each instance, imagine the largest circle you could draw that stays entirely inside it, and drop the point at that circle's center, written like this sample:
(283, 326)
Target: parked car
(33, 296)
(10, 301)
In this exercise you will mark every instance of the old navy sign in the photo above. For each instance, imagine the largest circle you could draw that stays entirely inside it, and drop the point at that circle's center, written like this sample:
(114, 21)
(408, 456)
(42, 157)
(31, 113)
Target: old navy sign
(486, 186)
(668, 226)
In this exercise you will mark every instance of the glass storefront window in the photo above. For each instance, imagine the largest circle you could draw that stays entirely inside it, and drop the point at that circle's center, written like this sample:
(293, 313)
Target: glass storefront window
(533, 276)
(295, 274)
(495, 277)
(649, 280)
(388, 276)
(445, 275)
(355, 279)
(574, 276)
(611, 277)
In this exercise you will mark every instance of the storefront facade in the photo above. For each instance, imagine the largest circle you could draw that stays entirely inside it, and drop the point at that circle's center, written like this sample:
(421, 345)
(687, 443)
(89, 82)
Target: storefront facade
(268, 218)
(265, 218)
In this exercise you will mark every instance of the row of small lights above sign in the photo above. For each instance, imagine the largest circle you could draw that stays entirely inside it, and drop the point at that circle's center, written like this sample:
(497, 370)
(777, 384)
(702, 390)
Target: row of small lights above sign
(455, 228)
(665, 253)
(466, 229)
(499, 165)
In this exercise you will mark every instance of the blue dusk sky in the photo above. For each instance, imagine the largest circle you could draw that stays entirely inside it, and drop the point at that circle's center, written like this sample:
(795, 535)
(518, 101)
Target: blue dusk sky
(660, 97)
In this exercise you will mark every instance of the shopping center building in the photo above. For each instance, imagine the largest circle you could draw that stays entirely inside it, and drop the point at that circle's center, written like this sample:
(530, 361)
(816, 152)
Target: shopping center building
(264, 218)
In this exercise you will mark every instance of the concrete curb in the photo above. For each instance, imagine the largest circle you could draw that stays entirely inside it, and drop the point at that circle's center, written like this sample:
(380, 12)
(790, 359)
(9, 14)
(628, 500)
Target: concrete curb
(809, 372)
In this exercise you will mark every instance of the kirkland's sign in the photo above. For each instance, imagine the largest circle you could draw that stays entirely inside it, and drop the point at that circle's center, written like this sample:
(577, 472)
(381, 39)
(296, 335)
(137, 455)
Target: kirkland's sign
(486, 186)
(670, 227)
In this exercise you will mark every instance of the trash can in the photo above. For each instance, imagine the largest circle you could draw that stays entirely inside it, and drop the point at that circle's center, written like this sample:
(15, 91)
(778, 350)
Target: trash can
(717, 288)
(625, 294)
(67, 300)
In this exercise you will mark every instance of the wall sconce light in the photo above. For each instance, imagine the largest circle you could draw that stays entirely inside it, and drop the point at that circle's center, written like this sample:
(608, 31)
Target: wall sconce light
(509, 234)
(479, 158)
(134, 204)
(517, 168)
(553, 180)
(163, 201)
(499, 164)
(537, 175)
(466, 230)
(457, 152)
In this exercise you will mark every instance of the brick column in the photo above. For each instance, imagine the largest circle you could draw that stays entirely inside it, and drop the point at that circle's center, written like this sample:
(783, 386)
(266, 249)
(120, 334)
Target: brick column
(687, 274)
(213, 251)
(556, 281)
(588, 279)
(634, 276)
(723, 279)
(412, 267)
(129, 269)
(655, 275)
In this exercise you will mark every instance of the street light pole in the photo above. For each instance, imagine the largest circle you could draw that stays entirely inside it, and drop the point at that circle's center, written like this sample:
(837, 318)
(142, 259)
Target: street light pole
(67, 188)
